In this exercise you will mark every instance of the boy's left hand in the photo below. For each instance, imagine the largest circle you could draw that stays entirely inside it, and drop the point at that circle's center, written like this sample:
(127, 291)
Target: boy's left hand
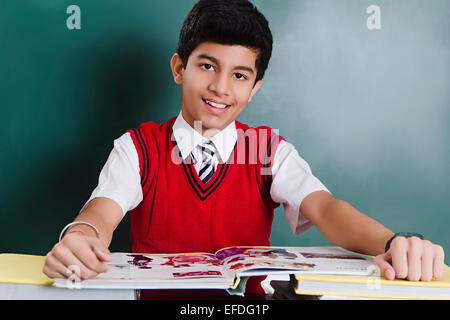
(413, 259)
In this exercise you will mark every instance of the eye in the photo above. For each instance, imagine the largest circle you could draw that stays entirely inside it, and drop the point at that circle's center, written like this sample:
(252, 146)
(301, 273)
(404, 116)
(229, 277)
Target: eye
(206, 66)
(240, 76)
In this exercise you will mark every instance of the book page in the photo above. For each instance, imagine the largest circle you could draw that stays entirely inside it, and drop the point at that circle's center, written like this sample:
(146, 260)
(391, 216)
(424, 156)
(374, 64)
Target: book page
(134, 270)
(246, 261)
(205, 270)
(163, 266)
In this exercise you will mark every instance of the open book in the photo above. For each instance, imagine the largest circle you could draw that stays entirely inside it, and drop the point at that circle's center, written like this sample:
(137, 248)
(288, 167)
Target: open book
(221, 270)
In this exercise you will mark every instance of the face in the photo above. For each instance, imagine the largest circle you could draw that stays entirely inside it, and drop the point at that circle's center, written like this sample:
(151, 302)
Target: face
(217, 83)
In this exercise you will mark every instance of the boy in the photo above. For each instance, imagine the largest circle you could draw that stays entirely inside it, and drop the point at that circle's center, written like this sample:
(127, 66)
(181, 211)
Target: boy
(202, 180)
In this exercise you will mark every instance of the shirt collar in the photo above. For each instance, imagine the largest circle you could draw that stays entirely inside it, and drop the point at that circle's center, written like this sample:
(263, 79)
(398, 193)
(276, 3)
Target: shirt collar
(187, 138)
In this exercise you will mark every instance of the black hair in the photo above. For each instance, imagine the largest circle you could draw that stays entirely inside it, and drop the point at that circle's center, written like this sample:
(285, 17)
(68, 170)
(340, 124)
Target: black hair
(233, 22)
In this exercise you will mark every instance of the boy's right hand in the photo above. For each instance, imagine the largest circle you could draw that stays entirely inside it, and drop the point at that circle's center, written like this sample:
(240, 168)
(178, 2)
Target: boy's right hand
(77, 252)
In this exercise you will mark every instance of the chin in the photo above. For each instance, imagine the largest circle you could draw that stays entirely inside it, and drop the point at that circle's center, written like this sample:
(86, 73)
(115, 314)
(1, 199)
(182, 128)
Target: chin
(213, 125)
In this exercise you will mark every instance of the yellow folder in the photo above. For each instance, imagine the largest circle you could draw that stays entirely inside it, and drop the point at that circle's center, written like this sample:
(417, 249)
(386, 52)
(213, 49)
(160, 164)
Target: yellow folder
(23, 268)
(372, 286)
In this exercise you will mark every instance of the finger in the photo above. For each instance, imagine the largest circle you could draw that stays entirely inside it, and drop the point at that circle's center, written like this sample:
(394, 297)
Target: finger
(71, 262)
(53, 268)
(84, 252)
(427, 261)
(83, 248)
(103, 254)
(382, 261)
(415, 250)
(398, 251)
(438, 262)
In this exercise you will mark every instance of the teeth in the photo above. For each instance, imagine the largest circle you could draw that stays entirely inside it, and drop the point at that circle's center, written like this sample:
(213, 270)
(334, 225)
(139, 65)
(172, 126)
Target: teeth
(216, 105)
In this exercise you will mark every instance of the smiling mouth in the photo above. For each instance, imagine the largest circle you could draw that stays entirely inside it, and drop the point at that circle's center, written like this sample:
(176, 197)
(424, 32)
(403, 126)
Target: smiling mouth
(216, 105)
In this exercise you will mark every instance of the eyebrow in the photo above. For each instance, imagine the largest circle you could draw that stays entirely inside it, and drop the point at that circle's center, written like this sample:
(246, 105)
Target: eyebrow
(214, 60)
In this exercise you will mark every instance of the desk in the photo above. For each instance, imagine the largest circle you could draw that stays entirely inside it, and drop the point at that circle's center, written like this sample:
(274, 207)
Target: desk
(14, 291)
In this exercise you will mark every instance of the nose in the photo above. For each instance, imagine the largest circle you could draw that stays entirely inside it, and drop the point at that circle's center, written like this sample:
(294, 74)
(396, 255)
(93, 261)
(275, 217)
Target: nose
(219, 85)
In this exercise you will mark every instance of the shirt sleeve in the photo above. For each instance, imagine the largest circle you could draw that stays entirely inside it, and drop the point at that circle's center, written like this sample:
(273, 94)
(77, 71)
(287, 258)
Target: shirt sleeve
(292, 182)
(119, 178)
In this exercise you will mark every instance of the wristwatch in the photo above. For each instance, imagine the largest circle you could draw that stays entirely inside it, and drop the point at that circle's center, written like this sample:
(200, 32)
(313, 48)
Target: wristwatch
(402, 234)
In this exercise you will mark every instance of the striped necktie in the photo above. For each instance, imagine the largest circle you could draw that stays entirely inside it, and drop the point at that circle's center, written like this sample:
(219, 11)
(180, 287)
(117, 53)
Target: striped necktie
(207, 168)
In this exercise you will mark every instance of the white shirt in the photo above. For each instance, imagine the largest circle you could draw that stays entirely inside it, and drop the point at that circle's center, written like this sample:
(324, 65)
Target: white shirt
(292, 179)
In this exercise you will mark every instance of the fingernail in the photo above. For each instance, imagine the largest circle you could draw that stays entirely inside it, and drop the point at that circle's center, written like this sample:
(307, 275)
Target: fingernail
(104, 254)
(389, 274)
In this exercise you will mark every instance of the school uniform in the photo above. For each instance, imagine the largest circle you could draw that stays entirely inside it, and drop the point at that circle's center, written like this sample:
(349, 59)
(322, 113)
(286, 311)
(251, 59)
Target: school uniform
(155, 172)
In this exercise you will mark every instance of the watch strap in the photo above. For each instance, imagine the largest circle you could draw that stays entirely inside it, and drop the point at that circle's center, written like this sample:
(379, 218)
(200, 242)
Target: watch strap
(402, 234)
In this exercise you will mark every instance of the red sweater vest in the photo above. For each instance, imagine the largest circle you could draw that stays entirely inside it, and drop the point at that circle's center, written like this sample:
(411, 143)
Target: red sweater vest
(181, 214)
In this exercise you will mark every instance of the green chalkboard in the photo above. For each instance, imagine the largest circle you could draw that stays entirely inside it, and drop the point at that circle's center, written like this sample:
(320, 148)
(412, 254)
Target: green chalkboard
(359, 87)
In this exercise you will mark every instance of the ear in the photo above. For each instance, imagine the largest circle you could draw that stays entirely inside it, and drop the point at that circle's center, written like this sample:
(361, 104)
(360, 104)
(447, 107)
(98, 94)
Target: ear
(255, 89)
(176, 65)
